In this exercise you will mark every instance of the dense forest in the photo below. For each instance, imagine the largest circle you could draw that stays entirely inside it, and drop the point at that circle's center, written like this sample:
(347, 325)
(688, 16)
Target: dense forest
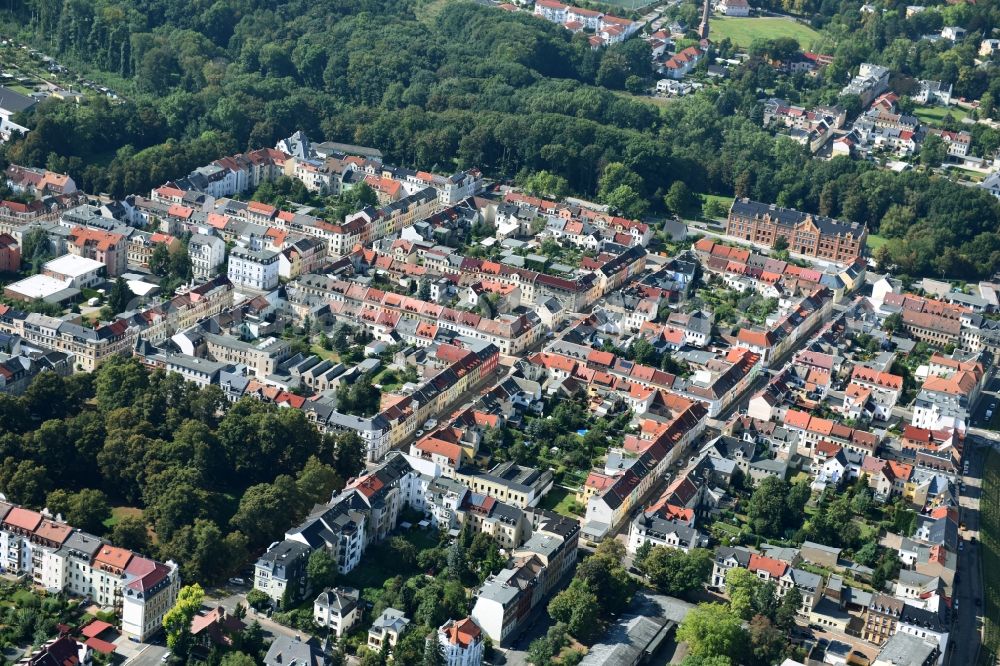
(446, 84)
(204, 482)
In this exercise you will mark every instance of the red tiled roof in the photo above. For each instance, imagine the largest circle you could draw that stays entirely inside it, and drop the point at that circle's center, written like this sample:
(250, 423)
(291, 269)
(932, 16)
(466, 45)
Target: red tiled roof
(463, 633)
(23, 519)
(95, 628)
(774, 568)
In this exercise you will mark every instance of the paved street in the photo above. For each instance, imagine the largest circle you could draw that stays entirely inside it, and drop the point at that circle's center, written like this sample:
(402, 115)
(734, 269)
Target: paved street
(148, 655)
(966, 636)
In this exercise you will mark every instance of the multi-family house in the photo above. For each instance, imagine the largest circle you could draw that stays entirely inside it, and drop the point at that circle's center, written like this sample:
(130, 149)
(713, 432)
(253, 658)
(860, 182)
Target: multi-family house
(871, 81)
(281, 570)
(506, 600)
(337, 610)
(207, 254)
(253, 269)
(461, 642)
(110, 249)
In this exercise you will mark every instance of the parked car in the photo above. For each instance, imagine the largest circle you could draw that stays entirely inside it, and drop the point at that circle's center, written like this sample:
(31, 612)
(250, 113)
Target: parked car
(237, 581)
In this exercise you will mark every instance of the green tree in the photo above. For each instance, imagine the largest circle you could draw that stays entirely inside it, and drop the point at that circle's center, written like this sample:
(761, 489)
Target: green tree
(36, 248)
(120, 296)
(680, 201)
(130, 532)
(741, 587)
(933, 151)
(711, 629)
(456, 560)
(767, 641)
(547, 184)
(321, 569)
(767, 509)
(159, 260)
(257, 599)
(711, 660)
(677, 573)
(317, 482)
(623, 200)
(433, 652)
(788, 609)
(177, 620)
(86, 510)
(266, 510)
(578, 607)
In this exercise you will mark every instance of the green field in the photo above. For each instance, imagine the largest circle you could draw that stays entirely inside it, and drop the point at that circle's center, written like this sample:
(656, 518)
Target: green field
(989, 512)
(726, 201)
(561, 501)
(875, 241)
(742, 31)
(934, 115)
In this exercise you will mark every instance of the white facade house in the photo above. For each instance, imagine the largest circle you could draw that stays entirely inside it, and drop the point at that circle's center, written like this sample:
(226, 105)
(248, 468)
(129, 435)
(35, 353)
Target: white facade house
(207, 253)
(739, 8)
(337, 610)
(60, 558)
(253, 269)
(462, 642)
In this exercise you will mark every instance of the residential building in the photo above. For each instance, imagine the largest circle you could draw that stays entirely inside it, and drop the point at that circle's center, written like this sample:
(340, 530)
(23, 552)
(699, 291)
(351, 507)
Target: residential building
(253, 269)
(288, 651)
(683, 62)
(505, 600)
(37, 182)
(933, 92)
(60, 558)
(281, 570)
(462, 642)
(870, 82)
(739, 8)
(810, 235)
(207, 254)
(110, 249)
(387, 628)
(337, 610)
(10, 254)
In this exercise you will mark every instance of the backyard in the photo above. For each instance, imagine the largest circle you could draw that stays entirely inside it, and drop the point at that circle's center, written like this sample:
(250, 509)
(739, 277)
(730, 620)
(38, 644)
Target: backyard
(935, 115)
(562, 501)
(743, 31)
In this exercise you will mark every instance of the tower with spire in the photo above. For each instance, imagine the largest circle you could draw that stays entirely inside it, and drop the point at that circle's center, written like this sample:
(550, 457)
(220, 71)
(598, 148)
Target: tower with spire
(703, 28)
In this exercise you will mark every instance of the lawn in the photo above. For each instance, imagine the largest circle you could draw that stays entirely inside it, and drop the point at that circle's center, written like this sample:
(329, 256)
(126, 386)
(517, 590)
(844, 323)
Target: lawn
(561, 501)
(119, 512)
(742, 31)
(325, 354)
(725, 201)
(967, 174)
(990, 537)
(875, 241)
(934, 115)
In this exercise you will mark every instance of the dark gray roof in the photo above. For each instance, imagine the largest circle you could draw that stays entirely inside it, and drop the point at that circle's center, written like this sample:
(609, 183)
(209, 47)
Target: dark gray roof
(789, 217)
(14, 101)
